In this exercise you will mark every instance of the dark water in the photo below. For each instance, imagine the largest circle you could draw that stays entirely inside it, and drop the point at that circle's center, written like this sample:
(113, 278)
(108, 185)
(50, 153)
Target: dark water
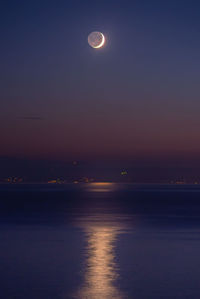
(99, 241)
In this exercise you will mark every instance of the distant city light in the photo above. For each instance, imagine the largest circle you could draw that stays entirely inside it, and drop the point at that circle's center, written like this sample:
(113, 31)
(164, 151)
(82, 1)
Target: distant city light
(124, 172)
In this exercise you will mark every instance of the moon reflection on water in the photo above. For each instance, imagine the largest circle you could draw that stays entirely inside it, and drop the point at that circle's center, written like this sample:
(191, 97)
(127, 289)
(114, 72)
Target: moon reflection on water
(100, 268)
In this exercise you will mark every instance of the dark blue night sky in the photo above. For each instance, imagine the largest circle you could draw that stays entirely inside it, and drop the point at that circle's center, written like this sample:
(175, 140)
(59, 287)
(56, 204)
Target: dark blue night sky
(136, 97)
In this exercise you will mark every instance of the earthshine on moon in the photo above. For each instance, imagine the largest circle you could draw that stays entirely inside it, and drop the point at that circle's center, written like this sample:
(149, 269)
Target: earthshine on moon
(96, 40)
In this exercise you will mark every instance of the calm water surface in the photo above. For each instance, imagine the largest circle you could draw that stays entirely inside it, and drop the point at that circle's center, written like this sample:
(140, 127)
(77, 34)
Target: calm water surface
(99, 241)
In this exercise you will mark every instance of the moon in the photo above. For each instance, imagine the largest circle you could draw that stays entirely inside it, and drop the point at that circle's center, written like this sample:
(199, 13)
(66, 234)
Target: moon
(96, 39)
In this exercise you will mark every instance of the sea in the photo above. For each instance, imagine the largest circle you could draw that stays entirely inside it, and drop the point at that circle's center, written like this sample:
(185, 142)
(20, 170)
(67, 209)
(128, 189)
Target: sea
(99, 241)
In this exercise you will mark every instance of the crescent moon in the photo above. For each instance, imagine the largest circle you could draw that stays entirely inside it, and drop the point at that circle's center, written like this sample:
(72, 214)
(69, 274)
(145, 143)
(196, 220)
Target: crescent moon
(102, 42)
(96, 39)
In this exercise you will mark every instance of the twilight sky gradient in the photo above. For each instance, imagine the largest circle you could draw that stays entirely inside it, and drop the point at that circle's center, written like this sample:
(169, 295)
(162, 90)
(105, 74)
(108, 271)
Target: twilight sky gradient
(137, 97)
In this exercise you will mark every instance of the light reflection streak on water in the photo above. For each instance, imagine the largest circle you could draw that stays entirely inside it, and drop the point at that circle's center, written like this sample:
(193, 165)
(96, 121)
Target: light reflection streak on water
(100, 268)
(101, 187)
(100, 272)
